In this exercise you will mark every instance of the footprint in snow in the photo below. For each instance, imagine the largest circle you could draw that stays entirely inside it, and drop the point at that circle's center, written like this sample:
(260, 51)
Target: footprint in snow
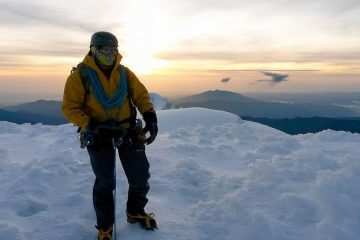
(30, 207)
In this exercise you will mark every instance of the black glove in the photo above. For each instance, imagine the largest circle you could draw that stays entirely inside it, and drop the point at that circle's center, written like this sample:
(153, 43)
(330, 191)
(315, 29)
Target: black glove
(150, 126)
(87, 133)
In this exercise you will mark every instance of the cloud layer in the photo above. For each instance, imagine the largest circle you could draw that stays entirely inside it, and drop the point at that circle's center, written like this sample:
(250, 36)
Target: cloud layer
(190, 36)
(225, 80)
(276, 78)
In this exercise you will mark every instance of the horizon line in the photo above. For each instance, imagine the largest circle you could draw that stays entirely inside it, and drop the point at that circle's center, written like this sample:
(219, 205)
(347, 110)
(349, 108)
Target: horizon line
(269, 70)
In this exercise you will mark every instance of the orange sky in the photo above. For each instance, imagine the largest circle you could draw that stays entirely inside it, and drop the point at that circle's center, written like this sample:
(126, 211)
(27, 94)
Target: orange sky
(183, 47)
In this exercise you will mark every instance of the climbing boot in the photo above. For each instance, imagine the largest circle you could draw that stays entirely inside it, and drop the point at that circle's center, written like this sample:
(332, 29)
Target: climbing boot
(146, 220)
(105, 234)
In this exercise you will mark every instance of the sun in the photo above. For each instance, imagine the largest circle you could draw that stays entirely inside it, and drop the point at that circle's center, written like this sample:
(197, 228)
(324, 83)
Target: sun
(143, 34)
(143, 62)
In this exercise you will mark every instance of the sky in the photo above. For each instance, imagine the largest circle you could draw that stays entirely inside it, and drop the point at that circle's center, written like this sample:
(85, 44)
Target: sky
(185, 47)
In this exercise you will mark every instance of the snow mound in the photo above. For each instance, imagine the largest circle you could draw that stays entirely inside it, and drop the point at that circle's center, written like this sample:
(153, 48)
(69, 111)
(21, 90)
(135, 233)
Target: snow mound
(183, 117)
(218, 178)
(160, 103)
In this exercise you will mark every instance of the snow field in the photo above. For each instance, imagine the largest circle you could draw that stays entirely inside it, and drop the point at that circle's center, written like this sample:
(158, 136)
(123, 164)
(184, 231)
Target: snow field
(217, 178)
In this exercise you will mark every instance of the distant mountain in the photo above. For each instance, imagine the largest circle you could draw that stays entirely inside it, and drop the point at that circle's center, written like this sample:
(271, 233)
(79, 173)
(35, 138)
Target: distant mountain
(290, 118)
(245, 106)
(27, 117)
(310, 125)
(42, 107)
(341, 98)
(218, 95)
(49, 112)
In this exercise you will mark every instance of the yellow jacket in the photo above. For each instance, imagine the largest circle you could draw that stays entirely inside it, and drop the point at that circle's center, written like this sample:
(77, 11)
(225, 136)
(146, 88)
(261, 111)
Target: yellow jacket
(79, 112)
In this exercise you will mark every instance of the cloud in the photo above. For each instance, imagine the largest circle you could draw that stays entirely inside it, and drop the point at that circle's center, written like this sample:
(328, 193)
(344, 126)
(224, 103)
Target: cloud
(259, 56)
(335, 6)
(264, 70)
(63, 51)
(276, 78)
(230, 56)
(225, 80)
(21, 13)
(329, 56)
(49, 29)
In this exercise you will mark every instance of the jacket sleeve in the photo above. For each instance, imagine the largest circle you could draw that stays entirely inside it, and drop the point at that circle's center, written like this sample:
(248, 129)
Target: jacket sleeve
(139, 94)
(74, 100)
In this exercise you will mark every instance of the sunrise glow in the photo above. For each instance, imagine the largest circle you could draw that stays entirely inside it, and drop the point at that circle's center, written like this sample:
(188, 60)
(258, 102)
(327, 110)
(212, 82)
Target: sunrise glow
(187, 44)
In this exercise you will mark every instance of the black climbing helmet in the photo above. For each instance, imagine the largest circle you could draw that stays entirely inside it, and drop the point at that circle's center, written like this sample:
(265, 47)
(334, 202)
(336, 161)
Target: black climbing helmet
(101, 39)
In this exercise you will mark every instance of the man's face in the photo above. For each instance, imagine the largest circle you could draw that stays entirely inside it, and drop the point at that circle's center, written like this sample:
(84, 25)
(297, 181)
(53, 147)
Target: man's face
(105, 55)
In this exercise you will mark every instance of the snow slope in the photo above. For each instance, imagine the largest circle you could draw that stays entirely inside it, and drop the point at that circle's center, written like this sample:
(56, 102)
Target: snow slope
(214, 177)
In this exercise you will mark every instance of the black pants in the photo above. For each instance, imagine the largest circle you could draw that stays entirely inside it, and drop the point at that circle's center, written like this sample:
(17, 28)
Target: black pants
(136, 167)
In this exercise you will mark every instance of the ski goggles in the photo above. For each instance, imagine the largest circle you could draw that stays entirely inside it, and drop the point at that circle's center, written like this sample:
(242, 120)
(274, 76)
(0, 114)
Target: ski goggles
(105, 55)
(108, 50)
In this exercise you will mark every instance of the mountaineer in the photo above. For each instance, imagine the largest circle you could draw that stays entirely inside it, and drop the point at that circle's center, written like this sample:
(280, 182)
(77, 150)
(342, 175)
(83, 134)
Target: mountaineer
(101, 97)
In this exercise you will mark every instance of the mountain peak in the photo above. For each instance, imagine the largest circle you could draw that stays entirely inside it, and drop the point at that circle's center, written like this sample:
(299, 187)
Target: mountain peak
(218, 95)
